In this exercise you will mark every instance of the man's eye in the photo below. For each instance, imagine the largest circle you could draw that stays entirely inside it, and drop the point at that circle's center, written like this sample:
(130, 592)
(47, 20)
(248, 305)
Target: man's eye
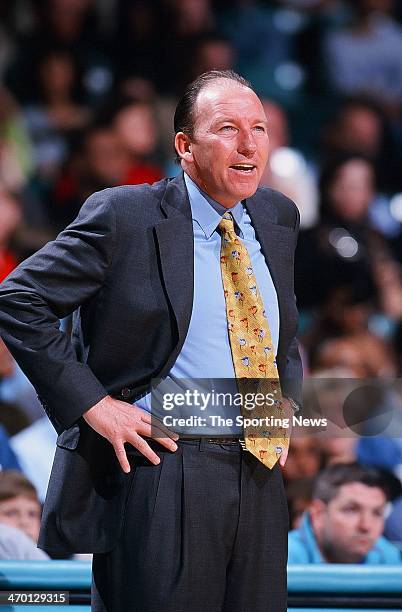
(227, 128)
(10, 513)
(350, 509)
(259, 128)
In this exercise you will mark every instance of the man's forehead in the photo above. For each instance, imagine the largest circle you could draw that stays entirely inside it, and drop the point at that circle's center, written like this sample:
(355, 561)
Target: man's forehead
(226, 96)
(360, 493)
(220, 87)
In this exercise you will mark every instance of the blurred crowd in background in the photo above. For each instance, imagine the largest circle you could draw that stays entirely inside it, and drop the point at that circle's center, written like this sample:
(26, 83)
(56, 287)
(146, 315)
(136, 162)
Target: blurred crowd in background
(87, 94)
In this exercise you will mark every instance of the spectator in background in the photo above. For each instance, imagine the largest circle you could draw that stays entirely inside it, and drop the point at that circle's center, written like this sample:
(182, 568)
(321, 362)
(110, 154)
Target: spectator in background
(16, 154)
(364, 416)
(17, 395)
(326, 396)
(212, 52)
(343, 248)
(19, 504)
(298, 493)
(135, 124)
(34, 448)
(8, 459)
(304, 459)
(382, 447)
(7, 47)
(10, 217)
(398, 348)
(343, 352)
(263, 37)
(12, 417)
(360, 126)
(366, 57)
(185, 22)
(339, 449)
(57, 113)
(345, 520)
(357, 127)
(16, 546)
(139, 25)
(278, 125)
(384, 451)
(341, 337)
(387, 276)
(105, 160)
(393, 525)
(99, 161)
(287, 169)
(66, 25)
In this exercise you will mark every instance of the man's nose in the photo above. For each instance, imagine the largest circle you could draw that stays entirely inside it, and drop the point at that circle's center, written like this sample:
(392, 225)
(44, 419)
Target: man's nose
(365, 522)
(246, 144)
(24, 521)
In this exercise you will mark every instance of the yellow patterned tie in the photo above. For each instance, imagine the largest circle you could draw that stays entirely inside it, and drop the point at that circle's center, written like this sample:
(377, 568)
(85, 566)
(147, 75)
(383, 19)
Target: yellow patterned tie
(252, 348)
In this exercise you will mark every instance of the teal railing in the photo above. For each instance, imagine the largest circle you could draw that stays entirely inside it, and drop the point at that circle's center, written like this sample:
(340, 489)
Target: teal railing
(311, 588)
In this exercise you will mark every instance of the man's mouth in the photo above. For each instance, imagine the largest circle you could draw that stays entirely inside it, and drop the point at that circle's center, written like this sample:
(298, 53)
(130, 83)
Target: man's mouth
(363, 540)
(246, 168)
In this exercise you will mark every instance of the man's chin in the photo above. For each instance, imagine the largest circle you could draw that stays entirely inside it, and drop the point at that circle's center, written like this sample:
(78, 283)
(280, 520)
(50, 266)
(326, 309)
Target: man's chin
(233, 193)
(359, 553)
(245, 192)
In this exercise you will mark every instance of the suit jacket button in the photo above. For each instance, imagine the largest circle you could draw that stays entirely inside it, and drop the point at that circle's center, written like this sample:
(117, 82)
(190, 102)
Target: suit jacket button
(125, 393)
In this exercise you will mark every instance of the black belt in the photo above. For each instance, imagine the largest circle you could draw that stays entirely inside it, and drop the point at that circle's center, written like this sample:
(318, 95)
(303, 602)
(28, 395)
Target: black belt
(213, 440)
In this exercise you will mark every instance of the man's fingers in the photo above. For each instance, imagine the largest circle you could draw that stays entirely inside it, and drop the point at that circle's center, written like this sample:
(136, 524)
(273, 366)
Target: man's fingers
(167, 442)
(152, 431)
(122, 457)
(146, 417)
(143, 447)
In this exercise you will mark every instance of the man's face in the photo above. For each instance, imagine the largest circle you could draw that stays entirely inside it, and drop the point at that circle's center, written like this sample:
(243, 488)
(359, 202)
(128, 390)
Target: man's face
(22, 513)
(347, 527)
(352, 190)
(229, 148)
(303, 460)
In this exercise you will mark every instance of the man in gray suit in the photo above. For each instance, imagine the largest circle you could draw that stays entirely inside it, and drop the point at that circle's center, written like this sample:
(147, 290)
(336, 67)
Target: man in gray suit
(176, 525)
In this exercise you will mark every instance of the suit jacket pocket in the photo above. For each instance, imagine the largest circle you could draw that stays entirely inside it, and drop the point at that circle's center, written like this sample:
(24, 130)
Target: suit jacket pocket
(85, 515)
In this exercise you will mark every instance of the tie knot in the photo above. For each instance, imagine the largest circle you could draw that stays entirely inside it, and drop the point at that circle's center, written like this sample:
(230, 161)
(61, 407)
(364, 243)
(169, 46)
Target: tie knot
(226, 224)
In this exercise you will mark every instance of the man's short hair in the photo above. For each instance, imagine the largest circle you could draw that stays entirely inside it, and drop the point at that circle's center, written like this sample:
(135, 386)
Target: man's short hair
(14, 484)
(329, 481)
(184, 117)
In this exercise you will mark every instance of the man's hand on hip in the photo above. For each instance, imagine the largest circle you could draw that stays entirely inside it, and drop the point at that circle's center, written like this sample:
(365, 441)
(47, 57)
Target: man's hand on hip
(120, 422)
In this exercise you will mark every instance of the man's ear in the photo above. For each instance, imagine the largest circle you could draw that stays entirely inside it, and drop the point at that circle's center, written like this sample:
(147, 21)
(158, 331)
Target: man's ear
(317, 509)
(183, 147)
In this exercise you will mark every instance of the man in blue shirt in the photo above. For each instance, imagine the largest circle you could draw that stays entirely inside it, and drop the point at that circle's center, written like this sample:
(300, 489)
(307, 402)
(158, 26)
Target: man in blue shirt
(345, 520)
(175, 525)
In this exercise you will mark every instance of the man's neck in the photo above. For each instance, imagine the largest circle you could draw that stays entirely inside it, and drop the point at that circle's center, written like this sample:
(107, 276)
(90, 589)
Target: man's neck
(203, 188)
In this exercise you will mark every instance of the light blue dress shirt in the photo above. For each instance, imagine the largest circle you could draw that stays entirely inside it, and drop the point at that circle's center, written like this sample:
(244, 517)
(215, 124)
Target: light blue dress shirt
(206, 352)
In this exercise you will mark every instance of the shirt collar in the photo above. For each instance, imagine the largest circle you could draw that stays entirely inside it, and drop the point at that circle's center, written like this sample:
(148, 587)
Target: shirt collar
(206, 211)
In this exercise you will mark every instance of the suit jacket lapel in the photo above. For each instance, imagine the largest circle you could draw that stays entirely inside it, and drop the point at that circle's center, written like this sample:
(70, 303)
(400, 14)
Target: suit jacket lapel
(176, 250)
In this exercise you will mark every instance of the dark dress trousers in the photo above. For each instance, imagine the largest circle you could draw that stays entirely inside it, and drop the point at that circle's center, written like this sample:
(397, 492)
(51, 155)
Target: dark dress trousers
(124, 268)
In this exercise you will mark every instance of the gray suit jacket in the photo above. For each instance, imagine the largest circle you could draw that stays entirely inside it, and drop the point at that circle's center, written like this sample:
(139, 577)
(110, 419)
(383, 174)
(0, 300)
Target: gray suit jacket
(124, 267)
